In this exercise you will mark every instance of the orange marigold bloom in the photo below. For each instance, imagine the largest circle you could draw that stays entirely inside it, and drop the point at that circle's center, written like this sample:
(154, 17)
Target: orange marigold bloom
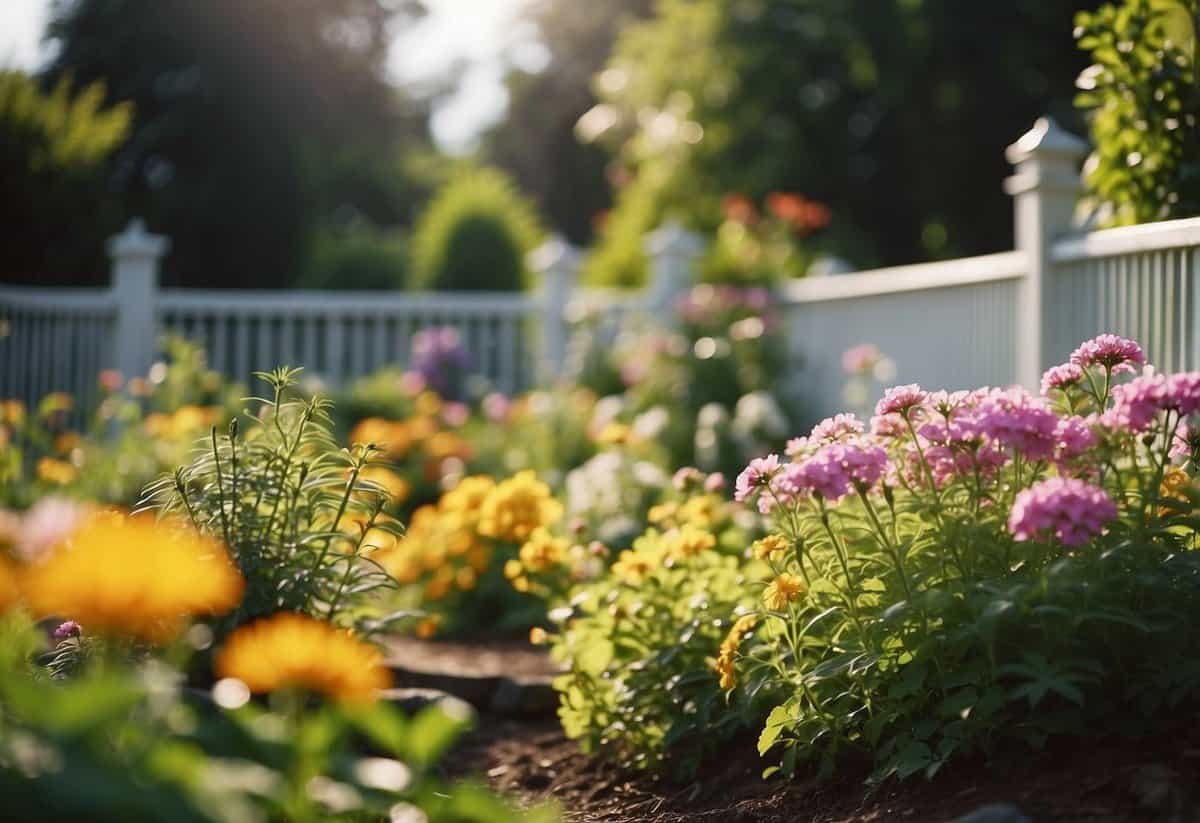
(133, 577)
(767, 547)
(294, 651)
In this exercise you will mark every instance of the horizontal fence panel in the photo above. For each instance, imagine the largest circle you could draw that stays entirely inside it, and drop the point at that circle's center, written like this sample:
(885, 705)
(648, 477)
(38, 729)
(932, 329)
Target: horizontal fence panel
(1147, 295)
(55, 341)
(955, 335)
(339, 336)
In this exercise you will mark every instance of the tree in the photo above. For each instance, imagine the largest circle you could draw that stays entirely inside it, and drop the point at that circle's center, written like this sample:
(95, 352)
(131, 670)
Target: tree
(243, 113)
(536, 141)
(57, 210)
(895, 114)
(1143, 96)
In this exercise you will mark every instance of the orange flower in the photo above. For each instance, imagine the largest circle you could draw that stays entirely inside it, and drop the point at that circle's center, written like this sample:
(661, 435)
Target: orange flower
(133, 577)
(291, 650)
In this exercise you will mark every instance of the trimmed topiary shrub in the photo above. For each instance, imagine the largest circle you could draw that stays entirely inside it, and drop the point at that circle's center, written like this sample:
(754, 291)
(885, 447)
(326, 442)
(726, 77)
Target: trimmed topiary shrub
(474, 235)
(362, 259)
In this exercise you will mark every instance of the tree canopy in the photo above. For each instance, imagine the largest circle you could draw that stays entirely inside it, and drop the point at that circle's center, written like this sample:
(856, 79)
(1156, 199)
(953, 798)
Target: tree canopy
(255, 123)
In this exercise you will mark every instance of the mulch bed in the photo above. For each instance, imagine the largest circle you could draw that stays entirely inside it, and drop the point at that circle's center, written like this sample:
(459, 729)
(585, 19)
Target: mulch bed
(525, 756)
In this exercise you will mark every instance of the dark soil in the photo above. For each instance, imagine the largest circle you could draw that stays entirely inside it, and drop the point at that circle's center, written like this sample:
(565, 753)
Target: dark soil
(1100, 784)
(527, 758)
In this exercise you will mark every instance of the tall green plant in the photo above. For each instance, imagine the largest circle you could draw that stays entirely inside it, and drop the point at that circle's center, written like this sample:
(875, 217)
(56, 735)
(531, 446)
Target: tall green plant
(475, 234)
(1143, 95)
(292, 507)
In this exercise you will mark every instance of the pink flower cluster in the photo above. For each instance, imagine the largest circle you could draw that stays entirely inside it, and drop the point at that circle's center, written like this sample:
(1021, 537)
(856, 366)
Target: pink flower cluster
(1015, 419)
(833, 471)
(900, 399)
(1061, 377)
(1136, 404)
(1119, 354)
(1071, 509)
(755, 476)
(830, 430)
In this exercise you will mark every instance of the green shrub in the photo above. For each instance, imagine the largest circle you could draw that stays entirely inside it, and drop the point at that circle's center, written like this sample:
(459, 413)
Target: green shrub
(474, 235)
(360, 259)
(1143, 95)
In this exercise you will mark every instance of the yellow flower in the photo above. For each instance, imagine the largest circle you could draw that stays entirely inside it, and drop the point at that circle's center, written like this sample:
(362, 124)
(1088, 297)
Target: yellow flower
(783, 590)
(614, 434)
(661, 512)
(1175, 484)
(12, 412)
(427, 627)
(58, 472)
(292, 650)
(688, 541)
(768, 547)
(447, 444)
(465, 579)
(428, 403)
(516, 507)
(727, 655)
(702, 511)
(396, 486)
(538, 636)
(65, 442)
(543, 551)
(9, 594)
(133, 577)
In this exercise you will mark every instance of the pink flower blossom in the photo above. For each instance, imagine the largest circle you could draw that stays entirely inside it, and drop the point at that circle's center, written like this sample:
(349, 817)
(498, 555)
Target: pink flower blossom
(1075, 439)
(686, 477)
(1071, 509)
(861, 358)
(1061, 377)
(900, 399)
(455, 414)
(1015, 419)
(496, 406)
(754, 476)
(833, 429)
(1110, 351)
(834, 471)
(714, 483)
(68, 629)
(796, 447)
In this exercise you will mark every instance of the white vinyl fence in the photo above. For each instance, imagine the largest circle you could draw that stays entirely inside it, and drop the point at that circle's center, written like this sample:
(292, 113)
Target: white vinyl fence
(990, 320)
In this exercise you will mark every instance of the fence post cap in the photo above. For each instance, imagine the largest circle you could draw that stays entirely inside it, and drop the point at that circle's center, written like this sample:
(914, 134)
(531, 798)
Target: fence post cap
(136, 242)
(1046, 138)
(673, 238)
(555, 253)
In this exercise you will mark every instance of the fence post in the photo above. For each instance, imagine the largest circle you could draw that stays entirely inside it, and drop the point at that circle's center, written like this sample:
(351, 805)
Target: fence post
(558, 262)
(1045, 186)
(135, 256)
(673, 251)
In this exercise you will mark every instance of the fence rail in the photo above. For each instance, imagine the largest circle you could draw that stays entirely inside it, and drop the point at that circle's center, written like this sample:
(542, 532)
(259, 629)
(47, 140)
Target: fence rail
(988, 320)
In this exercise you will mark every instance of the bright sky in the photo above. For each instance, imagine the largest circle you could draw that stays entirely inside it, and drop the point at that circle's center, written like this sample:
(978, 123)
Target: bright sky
(478, 33)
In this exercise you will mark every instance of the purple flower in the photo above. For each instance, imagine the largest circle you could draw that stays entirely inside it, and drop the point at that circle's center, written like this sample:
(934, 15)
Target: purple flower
(1110, 351)
(1075, 439)
(1061, 377)
(1071, 509)
(834, 471)
(754, 476)
(439, 357)
(899, 400)
(68, 629)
